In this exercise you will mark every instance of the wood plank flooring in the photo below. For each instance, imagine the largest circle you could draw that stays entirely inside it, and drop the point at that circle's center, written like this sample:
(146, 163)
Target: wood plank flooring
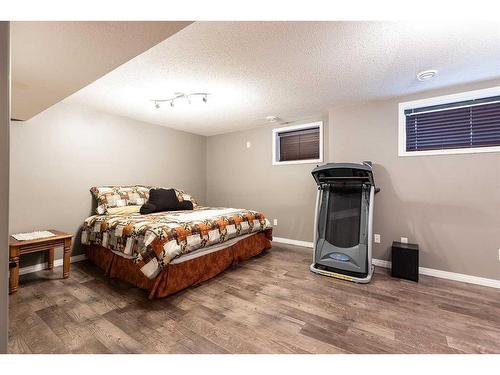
(268, 304)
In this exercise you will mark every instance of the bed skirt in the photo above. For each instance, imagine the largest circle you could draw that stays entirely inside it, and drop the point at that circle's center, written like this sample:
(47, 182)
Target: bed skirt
(178, 276)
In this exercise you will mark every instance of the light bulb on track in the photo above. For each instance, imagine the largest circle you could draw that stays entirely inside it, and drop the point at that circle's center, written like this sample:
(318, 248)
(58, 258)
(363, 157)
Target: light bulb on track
(182, 98)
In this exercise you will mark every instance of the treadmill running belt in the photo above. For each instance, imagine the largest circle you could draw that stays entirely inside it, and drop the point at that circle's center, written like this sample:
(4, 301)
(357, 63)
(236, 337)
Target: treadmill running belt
(343, 218)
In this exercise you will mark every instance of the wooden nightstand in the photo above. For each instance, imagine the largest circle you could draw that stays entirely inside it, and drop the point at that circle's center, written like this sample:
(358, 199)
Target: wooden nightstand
(18, 248)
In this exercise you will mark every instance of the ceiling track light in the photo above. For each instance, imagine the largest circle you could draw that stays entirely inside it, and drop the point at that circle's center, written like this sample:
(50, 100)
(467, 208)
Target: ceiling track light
(181, 96)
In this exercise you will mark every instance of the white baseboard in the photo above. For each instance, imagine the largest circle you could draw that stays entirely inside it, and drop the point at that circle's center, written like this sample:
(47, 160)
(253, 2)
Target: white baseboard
(381, 263)
(293, 242)
(493, 283)
(43, 266)
(447, 275)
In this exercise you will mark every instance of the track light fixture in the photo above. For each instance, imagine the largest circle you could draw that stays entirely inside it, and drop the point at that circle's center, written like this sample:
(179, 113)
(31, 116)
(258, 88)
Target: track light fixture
(181, 96)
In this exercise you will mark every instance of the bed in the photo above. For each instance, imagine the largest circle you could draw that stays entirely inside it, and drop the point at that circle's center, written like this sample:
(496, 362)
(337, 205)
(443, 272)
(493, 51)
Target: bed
(166, 252)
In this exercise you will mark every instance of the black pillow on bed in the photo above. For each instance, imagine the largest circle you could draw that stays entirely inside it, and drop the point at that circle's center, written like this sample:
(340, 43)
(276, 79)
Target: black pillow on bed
(185, 205)
(164, 200)
(148, 208)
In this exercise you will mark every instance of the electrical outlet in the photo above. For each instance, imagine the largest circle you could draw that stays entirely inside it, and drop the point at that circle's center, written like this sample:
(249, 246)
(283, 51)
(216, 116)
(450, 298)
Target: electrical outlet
(499, 254)
(376, 238)
(275, 222)
(404, 239)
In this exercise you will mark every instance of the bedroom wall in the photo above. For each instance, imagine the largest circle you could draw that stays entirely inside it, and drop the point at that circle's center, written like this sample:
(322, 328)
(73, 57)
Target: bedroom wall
(448, 204)
(4, 182)
(241, 177)
(60, 153)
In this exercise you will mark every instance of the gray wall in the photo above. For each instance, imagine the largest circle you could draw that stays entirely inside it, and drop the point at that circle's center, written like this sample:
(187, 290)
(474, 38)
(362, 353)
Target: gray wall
(448, 204)
(60, 153)
(241, 177)
(4, 182)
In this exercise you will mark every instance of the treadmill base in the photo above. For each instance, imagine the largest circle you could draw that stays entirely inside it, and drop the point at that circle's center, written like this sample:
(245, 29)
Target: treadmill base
(360, 280)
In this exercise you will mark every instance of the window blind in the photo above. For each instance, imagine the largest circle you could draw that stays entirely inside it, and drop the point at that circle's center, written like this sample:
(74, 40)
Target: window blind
(299, 144)
(466, 124)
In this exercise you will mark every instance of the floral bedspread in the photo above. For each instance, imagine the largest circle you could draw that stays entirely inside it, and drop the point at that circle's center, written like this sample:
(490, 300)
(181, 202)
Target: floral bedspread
(154, 240)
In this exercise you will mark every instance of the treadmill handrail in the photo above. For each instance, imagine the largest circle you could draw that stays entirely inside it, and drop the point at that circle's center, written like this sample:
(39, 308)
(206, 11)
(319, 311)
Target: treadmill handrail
(363, 178)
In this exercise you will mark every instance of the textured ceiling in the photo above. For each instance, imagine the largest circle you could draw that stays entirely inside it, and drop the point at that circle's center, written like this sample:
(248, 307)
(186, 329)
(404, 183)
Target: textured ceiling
(51, 60)
(292, 70)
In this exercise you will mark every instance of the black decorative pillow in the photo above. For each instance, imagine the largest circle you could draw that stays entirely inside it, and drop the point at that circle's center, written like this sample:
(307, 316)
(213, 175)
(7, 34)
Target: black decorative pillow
(164, 200)
(148, 208)
(185, 205)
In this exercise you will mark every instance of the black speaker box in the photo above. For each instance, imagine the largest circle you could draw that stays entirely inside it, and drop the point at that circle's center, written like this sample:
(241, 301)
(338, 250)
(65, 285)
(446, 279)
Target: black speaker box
(405, 261)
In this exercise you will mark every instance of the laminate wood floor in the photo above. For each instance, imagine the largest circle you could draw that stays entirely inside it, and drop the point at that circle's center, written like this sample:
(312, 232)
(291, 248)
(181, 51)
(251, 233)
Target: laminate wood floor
(268, 304)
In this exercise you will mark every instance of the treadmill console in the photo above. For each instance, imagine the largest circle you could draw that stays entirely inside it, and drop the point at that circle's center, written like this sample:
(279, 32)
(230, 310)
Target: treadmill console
(343, 174)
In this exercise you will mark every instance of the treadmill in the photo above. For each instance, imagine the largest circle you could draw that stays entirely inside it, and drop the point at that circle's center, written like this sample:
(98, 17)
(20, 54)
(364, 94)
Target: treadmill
(343, 224)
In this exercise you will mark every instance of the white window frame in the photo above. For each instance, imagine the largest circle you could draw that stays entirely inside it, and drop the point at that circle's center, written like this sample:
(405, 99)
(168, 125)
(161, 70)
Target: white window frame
(276, 145)
(445, 99)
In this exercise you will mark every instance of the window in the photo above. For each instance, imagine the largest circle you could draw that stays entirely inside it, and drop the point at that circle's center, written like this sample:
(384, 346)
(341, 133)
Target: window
(454, 124)
(298, 144)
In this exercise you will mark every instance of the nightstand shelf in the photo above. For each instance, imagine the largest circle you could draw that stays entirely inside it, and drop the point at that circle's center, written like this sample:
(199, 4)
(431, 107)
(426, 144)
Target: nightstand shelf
(18, 248)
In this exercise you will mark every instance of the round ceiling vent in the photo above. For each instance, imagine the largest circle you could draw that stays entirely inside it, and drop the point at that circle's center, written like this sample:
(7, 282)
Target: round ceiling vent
(272, 118)
(427, 75)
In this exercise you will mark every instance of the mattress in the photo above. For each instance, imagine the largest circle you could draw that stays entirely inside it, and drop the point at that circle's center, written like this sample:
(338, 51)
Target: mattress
(153, 241)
